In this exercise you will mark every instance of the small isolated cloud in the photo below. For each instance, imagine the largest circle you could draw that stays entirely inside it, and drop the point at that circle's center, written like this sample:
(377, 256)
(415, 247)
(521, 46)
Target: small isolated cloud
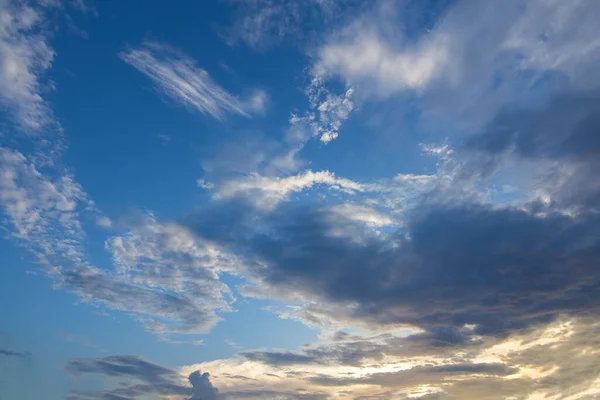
(17, 354)
(176, 75)
(257, 102)
(104, 222)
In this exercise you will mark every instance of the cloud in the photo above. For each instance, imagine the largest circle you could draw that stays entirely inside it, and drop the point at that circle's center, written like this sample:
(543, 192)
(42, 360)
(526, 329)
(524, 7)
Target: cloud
(470, 61)
(159, 312)
(266, 192)
(370, 60)
(41, 214)
(202, 387)
(328, 111)
(25, 56)
(17, 354)
(176, 75)
(498, 268)
(257, 102)
(141, 378)
(262, 24)
(519, 366)
(160, 259)
(366, 215)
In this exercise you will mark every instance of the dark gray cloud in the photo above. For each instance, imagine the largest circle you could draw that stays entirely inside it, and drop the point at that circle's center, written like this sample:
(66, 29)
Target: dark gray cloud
(498, 267)
(18, 354)
(146, 378)
(564, 127)
(202, 388)
(565, 131)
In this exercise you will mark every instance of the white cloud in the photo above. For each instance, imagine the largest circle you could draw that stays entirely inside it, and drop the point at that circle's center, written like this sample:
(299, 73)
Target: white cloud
(266, 192)
(368, 58)
(361, 213)
(177, 76)
(329, 111)
(24, 56)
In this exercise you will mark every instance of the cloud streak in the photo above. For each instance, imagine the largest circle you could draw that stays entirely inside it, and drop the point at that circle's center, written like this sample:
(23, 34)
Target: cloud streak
(176, 75)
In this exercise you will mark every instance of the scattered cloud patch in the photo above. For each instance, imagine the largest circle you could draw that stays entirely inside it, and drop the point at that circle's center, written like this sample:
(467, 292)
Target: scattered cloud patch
(26, 56)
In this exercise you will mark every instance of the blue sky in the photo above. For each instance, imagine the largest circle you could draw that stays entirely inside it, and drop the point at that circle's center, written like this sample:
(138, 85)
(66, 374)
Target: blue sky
(321, 199)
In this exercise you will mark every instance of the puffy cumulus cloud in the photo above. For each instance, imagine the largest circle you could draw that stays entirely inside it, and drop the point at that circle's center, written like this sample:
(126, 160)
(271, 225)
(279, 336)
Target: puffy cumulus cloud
(202, 387)
(177, 76)
(25, 55)
(327, 112)
(142, 378)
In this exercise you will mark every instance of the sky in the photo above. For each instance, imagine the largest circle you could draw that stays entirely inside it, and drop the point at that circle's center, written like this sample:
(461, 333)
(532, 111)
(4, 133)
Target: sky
(316, 199)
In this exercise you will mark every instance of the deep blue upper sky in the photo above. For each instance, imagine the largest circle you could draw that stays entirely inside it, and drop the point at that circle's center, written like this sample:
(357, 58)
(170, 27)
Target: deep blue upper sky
(318, 199)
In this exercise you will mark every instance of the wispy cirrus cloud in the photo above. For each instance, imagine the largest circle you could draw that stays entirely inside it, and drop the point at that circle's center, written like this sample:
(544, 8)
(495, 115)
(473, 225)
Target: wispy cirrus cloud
(176, 75)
